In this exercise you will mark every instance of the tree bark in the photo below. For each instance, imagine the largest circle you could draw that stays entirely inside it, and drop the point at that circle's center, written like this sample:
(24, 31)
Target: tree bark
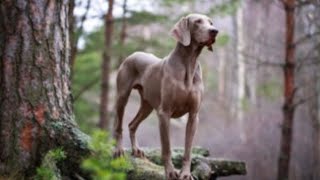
(72, 35)
(289, 85)
(36, 114)
(104, 100)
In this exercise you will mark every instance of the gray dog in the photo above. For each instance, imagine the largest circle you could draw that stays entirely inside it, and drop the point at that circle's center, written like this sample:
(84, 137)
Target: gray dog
(172, 86)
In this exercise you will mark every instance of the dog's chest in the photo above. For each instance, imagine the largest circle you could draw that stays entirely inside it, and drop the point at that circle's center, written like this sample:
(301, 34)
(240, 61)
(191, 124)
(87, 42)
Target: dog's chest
(184, 99)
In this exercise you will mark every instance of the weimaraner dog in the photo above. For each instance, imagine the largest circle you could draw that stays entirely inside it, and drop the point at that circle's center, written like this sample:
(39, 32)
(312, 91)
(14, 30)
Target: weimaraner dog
(172, 86)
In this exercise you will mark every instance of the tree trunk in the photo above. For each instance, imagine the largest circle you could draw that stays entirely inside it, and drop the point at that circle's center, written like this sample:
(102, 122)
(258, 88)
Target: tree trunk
(222, 75)
(240, 71)
(75, 33)
(72, 35)
(104, 119)
(123, 34)
(35, 99)
(288, 107)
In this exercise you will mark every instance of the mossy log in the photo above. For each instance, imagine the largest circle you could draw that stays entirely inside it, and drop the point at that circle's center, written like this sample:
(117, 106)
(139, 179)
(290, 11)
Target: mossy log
(203, 167)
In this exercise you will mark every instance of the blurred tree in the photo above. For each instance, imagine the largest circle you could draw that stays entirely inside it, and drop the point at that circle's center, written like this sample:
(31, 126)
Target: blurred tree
(123, 33)
(75, 33)
(241, 69)
(225, 8)
(289, 92)
(35, 108)
(71, 19)
(104, 100)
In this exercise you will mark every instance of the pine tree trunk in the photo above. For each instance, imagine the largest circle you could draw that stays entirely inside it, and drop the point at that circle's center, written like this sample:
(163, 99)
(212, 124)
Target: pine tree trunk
(72, 24)
(123, 33)
(35, 99)
(75, 32)
(288, 107)
(241, 71)
(104, 100)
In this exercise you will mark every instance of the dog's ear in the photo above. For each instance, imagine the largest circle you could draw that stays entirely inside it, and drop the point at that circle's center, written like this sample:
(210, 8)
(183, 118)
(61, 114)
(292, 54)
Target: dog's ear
(181, 31)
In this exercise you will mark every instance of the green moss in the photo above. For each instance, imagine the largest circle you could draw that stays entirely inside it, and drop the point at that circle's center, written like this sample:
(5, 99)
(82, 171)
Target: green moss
(33, 93)
(145, 170)
(177, 154)
(81, 138)
(202, 167)
(57, 126)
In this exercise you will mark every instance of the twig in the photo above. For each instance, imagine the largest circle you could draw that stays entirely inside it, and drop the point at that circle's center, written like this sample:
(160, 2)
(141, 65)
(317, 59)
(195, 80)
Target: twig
(260, 62)
(306, 37)
(304, 100)
(308, 54)
(85, 88)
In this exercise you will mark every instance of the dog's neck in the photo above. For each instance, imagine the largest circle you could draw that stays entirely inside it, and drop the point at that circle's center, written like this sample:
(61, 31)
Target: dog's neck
(187, 57)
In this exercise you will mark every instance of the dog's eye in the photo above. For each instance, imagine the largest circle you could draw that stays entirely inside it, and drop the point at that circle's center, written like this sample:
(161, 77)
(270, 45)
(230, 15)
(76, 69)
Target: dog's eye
(199, 21)
(210, 23)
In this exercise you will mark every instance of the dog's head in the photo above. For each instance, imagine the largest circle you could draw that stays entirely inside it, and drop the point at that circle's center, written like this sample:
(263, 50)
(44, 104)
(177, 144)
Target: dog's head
(195, 28)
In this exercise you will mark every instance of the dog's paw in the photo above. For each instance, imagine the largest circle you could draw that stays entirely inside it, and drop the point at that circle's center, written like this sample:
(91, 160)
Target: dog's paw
(138, 153)
(118, 152)
(185, 175)
(172, 175)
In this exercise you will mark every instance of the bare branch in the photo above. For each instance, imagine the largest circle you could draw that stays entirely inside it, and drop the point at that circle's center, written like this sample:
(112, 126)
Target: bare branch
(304, 100)
(306, 38)
(308, 54)
(86, 88)
(259, 62)
(308, 62)
(306, 3)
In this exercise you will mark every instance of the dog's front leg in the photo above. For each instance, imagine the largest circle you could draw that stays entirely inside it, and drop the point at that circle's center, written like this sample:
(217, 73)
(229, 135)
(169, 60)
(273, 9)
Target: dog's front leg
(164, 124)
(190, 132)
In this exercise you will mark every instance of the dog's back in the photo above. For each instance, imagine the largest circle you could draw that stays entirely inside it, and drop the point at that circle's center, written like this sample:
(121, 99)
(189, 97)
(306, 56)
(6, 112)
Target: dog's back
(137, 62)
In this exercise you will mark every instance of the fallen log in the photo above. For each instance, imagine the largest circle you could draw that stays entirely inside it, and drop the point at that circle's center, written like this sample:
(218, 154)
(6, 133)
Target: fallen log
(203, 167)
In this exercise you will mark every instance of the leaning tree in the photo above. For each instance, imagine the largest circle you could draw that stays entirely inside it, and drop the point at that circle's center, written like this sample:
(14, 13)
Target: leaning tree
(35, 100)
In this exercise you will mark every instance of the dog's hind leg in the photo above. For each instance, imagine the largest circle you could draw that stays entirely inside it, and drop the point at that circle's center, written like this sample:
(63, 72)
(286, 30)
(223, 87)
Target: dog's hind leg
(124, 87)
(144, 111)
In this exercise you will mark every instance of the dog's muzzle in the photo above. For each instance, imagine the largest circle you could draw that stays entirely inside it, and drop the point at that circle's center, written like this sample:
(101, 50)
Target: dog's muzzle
(213, 34)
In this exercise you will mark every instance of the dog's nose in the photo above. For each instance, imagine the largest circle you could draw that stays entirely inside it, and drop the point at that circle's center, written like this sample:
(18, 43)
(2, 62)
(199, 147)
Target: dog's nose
(213, 31)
